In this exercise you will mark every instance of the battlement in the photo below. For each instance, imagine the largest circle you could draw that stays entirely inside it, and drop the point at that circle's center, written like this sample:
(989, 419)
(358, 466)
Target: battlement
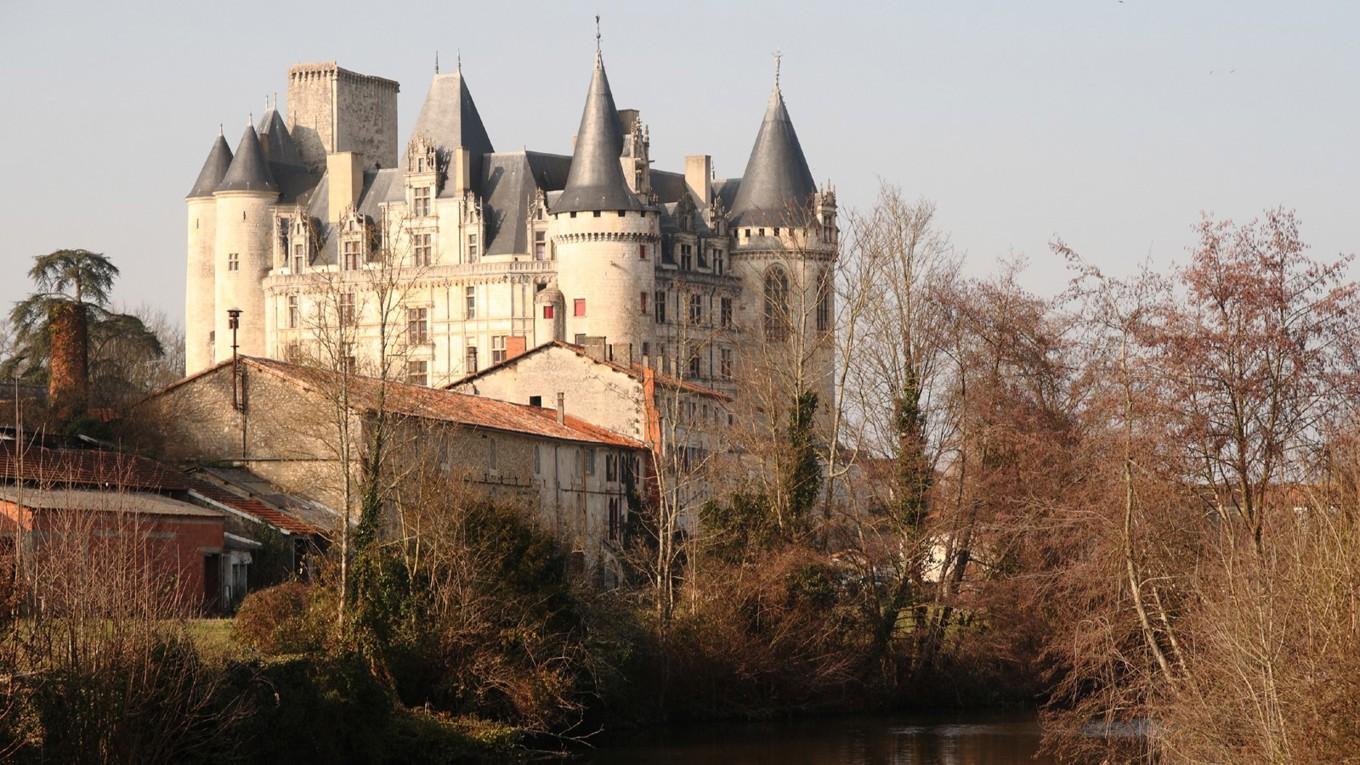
(332, 109)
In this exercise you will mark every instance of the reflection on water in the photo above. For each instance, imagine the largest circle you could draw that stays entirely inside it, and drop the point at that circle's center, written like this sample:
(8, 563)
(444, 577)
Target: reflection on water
(970, 740)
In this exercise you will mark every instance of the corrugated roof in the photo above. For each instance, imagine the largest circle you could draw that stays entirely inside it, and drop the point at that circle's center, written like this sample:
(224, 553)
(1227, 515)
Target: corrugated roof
(367, 393)
(135, 502)
(596, 179)
(86, 467)
(253, 508)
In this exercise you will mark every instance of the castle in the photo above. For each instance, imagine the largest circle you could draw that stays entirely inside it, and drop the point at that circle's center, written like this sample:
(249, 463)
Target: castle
(496, 252)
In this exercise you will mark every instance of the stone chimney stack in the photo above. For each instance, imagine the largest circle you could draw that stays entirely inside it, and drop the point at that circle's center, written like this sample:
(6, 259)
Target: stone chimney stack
(68, 376)
(561, 408)
(699, 177)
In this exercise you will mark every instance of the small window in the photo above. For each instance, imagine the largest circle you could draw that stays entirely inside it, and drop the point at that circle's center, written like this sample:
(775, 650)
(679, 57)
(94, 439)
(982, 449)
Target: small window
(346, 309)
(611, 467)
(470, 300)
(420, 250)
(470, 362)
(579, 306)
(642, 302)
(292, 311)
(418, 372)
(548, 312)
(725, 363)
(725, 308)
(590, 461)
(660, 306)
(497, 349)
(351, 253)
(298, 259)
(472, 247)
(642, 252)
(693, 370)
(597, 213)
(420, 198)
(686, 257)
(540, 245)
(536, 401)
(417, 326)
(233, 261)
(696, 308)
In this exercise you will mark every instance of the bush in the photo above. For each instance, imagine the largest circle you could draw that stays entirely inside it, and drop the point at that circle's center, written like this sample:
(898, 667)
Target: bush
(275, 620)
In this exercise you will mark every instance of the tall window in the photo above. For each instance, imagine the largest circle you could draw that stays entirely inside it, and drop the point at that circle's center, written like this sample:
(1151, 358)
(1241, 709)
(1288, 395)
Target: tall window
(470, 300)
(470, 362)
(725, 312)
(824, 307)
(642, 252)
(694, 366)
(472, 248)
(725, 363)
(540, 245)
(660, 306)
(642, 302)
(418, 372)
(615, 518)
(719, 263)
(696, 308)
(611, 466)
(298, 260)
(233, 261)
(346, 309)
(417, 326)
(686, 257)
(703, 258)
(497, 349)
(776, 304)
(420, 197)
(292, 311)
(420, 249)
(579, 306)
(589, 460)
(350, 248)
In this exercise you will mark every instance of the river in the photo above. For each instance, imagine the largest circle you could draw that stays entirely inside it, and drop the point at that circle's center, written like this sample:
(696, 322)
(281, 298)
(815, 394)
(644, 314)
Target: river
(964, 740)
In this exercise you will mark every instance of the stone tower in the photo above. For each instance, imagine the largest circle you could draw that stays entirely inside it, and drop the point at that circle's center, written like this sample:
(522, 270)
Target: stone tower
(200, 281)
(784, 238)
(331, 109)
(244, 246)
(606, 238)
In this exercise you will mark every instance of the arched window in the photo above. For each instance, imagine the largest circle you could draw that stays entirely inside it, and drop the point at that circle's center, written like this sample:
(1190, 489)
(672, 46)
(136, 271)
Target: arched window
(776, 304)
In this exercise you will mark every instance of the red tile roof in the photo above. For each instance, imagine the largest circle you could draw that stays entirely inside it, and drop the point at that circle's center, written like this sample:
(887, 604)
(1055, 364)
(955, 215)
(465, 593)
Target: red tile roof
(86, 467)
(253, 508)
(367, 393)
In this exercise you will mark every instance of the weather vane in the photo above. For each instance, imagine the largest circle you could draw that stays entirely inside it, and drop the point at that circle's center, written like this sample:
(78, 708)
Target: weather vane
(597, 33)
(778, 56)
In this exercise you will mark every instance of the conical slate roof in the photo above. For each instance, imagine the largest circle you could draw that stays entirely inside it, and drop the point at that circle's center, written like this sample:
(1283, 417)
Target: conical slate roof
(276, 141)
(596, 180)
(449, 118)
(777, 187)
(219, 159)
(249, 169)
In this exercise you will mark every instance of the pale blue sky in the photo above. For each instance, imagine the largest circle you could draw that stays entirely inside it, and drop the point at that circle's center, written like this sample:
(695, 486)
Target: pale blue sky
(1112, 124)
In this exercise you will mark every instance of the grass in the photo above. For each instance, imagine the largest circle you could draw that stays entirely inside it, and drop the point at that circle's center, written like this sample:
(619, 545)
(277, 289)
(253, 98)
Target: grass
(216, 641)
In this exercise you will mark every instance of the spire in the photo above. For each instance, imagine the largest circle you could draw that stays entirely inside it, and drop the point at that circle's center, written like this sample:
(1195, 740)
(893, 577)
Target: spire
(219, 159)
(276, 141)
(249, 169)
(777, 187)
(449, 117)
(596, 180)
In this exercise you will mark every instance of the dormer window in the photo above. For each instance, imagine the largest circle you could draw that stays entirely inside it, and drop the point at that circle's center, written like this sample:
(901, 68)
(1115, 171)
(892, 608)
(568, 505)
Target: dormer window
(420, 201)
(350, 249)
(540, 245)
(299, 258)
(472, 248)
(686, 257)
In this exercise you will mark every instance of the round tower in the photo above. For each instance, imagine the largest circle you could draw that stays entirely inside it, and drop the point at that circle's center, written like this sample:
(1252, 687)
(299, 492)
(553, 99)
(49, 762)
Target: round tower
(244, 247)
(199, 280)
(549, 316)
(605, 238)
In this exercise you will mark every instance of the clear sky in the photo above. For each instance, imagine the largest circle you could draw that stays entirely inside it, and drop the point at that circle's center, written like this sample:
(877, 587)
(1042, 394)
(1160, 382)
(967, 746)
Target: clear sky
(1112, 124)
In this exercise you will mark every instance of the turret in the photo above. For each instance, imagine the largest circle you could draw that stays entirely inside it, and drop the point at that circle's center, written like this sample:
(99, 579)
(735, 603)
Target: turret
(199, 282)
(244, 246)
(549, 316)
(605, 237)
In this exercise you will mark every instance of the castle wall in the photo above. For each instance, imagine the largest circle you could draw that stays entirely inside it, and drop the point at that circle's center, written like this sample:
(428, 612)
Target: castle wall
(200, 287)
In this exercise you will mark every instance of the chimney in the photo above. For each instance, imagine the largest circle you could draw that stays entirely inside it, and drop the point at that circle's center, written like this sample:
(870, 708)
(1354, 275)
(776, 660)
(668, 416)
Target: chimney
(345, 181)
(68, 373)
(462, 171)
(595, 348)
(699, 177)
(561, 408)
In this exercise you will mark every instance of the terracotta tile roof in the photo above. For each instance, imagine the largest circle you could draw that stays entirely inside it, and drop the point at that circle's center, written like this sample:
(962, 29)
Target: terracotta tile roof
(366, 393)
(253, 508)
(635, 372)
(87, 467)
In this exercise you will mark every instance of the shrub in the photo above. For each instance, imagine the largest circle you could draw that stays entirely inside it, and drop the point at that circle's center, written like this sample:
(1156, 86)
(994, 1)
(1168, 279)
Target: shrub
(275, 620)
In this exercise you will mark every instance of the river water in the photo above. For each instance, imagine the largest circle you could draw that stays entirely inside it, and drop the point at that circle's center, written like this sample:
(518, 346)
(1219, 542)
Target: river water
(965, 740)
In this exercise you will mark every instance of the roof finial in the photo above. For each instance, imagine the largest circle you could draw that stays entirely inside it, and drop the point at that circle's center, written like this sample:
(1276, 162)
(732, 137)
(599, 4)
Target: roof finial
(250, 119)
(778, 58)
(460, 60)
(436, 62)
(597, 35)
(219, 130)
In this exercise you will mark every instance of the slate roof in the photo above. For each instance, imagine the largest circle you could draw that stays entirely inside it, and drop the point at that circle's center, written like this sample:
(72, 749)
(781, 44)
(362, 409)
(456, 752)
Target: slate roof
(249, 169)
(777, 184)
(449, 118)
(47, 466)
(214, 167)
(596, 179)
(277, 142)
